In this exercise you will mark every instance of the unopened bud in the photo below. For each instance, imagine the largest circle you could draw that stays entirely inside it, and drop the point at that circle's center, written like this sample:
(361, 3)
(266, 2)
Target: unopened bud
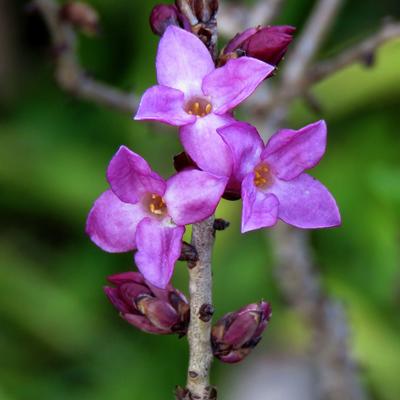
(266, 44)
(237, 333)
(82, 16)
(150, 309)
(164, 15)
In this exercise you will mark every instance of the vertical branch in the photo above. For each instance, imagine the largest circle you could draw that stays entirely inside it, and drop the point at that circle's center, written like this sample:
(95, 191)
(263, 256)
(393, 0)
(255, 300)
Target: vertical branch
(199, 333)
(337, 375)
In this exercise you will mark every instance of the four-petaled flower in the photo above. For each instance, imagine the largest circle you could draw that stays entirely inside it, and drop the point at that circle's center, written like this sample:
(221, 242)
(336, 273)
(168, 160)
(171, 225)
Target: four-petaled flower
(272, 180)
(143, 211)
(197, 97)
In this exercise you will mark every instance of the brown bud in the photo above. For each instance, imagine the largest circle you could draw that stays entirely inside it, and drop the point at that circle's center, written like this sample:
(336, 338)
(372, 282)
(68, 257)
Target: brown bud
(82, 16)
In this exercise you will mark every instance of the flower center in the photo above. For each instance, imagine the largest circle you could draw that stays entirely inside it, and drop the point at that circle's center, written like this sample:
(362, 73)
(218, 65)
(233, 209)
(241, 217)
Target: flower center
(156, 205)
(262, 175)
(198, 106)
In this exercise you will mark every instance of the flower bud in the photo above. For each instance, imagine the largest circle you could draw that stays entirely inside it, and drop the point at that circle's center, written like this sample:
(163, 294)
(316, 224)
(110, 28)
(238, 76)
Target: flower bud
(266, 44)
(148, 308)
(164, 15)
(82, 16)
(237, 333)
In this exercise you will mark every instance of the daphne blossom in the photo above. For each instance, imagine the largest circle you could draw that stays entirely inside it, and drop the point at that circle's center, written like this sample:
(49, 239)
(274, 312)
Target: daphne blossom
(143, 211)
(272, 180)
(197, 97)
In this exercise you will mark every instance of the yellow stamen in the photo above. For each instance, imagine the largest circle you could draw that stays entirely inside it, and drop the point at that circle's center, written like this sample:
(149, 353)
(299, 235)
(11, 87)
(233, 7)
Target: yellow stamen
(157, 205)
(262, 175)
(198, 106)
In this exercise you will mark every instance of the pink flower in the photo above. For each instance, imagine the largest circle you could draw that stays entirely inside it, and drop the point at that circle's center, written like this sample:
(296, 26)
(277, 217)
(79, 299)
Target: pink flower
(272, 180)
(197, 97)
(143, 211)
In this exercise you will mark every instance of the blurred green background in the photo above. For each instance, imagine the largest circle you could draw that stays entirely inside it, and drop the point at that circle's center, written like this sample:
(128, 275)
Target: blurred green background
(59, 336)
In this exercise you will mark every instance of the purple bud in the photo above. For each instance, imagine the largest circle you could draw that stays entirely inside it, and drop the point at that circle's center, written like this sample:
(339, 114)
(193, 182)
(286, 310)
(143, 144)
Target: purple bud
(164, 15)
(150, 309)
(266, 44)
(236, 334)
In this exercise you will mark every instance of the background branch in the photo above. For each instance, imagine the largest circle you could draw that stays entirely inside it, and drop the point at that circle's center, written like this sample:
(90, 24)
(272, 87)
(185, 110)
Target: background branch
(358, 53)
(336, 373)
(69, 74)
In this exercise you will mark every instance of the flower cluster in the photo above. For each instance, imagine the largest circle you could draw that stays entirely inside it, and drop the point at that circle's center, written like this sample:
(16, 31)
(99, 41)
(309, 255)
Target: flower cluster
(145, 213)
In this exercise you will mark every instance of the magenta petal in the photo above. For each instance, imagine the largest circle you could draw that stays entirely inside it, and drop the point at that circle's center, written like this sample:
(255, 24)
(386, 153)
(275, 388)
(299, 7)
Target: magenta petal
(111, 223)
(229, 85)
(205, 146)
(260, 209)
(130, 176)
(182, 61)
(141, 322)
(192, 196)
(246, 146)
(164, 104)
(306, 203)
(159, 247)
(291, 152)
(116, 300)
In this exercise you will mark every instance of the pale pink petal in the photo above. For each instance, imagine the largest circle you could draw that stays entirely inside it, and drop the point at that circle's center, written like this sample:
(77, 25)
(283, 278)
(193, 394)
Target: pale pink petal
(111, 223)
(260, 209)
(305, 203)
(290, 152)
(193, 196)
(131, 177)
(246, 146)
(182, 61)
(205, 146)
(164, 104)
(159, 247)
(231, 84)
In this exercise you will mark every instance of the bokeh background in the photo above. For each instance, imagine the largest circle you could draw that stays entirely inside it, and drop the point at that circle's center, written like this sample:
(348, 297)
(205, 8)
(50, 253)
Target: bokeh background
(59, 336)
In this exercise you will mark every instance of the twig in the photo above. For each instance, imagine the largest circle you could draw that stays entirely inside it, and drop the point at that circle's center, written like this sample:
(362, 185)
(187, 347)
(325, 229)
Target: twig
(337, 375)
(263, 12)
(70, 76)
(234, 18)
(358, 53)
(200, 296)
(298, 61)
(309, 42)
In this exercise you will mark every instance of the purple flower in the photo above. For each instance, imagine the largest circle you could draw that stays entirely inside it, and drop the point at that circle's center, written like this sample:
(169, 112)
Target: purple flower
(164, 15)
(197, 97)
(148, 308)
(272, 180)
(143, 211)
(266, 44)
(237, 333)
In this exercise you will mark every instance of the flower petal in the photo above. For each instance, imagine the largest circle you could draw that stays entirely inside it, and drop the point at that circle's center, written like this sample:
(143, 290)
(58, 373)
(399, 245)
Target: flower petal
(192, 196)
(305, 203)
(229, 85)
(111, 223)
(159, 247)
(164, 104)
(246, 146)
(182, 61)
(141, 322)
(260, 209)
(291, 152)
(205, 146)
(130, 176)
